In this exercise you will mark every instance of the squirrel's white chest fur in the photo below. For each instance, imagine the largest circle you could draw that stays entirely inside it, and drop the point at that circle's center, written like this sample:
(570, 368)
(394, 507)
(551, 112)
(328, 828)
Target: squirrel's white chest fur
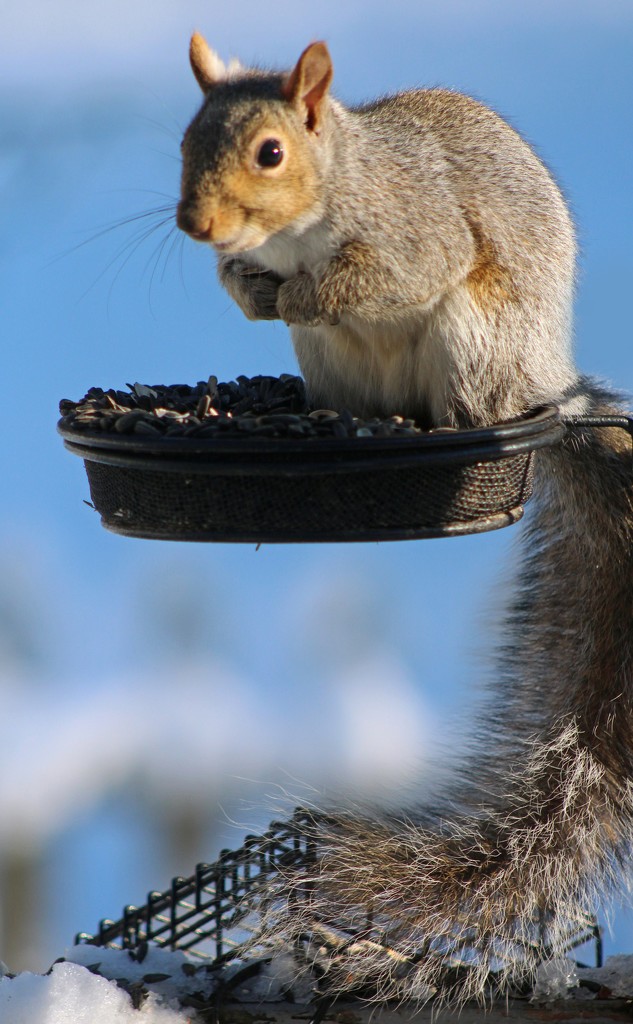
(303, 247)
(377, 368)
(372, 367)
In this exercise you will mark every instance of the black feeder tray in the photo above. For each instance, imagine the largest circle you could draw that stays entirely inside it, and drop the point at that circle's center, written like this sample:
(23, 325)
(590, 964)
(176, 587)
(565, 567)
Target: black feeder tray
(286, 489)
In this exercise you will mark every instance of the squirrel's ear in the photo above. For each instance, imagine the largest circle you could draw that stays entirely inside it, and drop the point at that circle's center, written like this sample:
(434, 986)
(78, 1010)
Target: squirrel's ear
(205, 64)
(308, 83)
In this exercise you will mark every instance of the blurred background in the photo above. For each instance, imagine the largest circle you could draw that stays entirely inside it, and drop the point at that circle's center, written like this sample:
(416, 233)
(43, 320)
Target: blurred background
(158, 700)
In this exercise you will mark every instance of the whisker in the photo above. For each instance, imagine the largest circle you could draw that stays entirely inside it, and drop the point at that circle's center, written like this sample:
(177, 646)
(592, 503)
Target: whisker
(129, 248)
(177, 238)
(142, 227)
(181, 247)
(116, 225)
(176, 129)
(160, 255)
(145, 192)
(171, 132)
(137, 241)
(168, 156)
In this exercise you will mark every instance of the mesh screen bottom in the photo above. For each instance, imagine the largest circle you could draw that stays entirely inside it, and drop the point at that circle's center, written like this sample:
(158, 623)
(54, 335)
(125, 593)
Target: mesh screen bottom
(424, 497)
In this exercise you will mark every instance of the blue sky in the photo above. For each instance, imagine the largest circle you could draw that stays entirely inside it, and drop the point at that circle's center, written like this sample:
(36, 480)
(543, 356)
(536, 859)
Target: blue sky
(93, 100)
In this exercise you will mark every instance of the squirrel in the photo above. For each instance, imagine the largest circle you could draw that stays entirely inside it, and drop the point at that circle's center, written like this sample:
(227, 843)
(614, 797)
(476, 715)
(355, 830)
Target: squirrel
(424, 258)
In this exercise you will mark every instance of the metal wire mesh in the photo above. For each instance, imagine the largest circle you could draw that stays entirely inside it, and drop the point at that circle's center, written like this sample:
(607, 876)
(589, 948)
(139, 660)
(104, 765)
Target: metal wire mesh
(299, 508)
(200, 913)
(207, 913)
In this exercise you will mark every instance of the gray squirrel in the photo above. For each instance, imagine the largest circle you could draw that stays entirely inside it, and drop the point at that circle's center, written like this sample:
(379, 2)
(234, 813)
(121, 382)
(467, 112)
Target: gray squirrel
(424, 259)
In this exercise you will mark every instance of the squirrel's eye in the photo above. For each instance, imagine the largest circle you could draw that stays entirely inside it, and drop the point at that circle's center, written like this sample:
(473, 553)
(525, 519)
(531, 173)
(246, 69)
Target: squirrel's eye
(270, 153)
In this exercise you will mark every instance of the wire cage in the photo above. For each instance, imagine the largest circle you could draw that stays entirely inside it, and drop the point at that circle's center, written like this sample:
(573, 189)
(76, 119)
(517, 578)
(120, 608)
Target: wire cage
(207, 913)
(202, 913)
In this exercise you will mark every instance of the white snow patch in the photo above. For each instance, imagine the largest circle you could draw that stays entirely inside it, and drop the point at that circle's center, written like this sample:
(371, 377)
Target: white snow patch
(554, 979)
(71, 994)
(279, 979)
(616, 975)
(118, 964)
(83, 989)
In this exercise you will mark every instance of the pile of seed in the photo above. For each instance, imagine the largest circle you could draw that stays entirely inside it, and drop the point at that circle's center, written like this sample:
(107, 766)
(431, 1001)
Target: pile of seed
(258, 406)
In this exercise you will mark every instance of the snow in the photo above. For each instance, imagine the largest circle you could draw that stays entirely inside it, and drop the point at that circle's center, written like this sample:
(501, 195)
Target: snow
(279, 978)
(563, 979)
(275, 978)
(91, 985)
(615, 976)
(71, 994)
(95, 985)
(176, 968)
(554, 979)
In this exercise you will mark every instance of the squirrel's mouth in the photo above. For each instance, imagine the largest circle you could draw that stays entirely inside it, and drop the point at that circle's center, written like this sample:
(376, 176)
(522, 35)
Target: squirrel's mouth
(227, 230)
(229, 246)
(244, 240)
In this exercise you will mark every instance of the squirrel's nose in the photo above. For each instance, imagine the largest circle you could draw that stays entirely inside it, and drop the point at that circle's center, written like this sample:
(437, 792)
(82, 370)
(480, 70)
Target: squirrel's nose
(190, 223)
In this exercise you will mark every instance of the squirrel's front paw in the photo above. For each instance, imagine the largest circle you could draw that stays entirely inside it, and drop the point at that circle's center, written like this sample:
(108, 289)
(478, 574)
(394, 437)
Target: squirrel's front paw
(254, 290)
(297, 301)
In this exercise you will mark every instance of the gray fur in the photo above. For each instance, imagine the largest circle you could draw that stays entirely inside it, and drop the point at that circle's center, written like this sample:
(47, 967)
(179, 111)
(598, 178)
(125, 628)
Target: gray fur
(431, 274)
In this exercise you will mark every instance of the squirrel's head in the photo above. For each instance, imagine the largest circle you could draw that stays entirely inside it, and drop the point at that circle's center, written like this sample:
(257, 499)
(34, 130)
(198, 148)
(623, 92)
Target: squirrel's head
(252, 154)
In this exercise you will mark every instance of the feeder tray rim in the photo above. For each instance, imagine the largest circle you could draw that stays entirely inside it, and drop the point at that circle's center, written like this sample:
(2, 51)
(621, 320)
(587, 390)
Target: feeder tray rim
(456, 528)
(530, 431)
(254, 489)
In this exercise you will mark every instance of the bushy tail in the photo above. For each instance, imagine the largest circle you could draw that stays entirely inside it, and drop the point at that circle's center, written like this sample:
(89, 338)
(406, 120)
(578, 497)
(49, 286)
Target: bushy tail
(537, 824)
